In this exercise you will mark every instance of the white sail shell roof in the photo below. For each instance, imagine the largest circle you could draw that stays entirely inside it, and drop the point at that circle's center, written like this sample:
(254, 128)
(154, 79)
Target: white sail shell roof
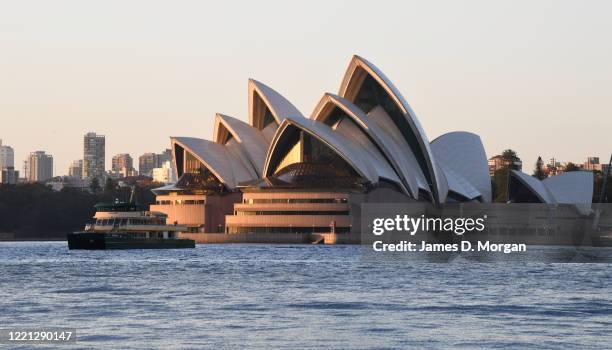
(251, 142)
(354, 73)
(401, 159)
(462, 158)
(534, 185)
(278, 105)
(343, 146)
(383, 141)
(217, 159)
(368, 150)
(574, 187)
(402, 153)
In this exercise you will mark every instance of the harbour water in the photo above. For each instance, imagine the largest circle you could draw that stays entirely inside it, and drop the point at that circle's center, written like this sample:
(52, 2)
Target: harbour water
(304, 296)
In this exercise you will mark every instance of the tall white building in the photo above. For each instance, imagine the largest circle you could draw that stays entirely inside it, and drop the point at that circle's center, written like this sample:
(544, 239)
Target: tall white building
(94, 156)
(7, 156)
(38, 167)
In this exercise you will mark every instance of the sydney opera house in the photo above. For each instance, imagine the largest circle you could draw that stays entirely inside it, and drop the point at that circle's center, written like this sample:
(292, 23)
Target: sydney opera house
(283, 172)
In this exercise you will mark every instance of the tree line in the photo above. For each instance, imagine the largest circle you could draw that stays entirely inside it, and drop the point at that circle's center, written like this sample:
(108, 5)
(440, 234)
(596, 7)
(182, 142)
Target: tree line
(35, 211)
(499, 180)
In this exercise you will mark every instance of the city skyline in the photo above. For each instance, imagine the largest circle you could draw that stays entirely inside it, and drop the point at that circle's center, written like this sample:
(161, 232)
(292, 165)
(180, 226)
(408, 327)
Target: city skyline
(603, 161)
(540, 90)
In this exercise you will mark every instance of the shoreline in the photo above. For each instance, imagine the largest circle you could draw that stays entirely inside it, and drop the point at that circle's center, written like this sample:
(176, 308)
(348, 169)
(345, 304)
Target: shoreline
(33, 240)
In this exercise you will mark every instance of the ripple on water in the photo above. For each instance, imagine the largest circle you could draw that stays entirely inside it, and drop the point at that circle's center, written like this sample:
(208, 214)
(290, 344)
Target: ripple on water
(262, 297)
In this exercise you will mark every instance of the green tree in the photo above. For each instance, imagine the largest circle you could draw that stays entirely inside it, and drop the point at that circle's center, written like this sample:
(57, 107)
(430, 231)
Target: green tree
(110, 192)
(94, 186)
(110, 186)
(36, 211)
(539, 172)
(511, 159)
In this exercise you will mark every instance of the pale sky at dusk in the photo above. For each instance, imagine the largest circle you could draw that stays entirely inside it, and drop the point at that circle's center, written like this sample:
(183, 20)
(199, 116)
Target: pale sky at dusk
(535, 76)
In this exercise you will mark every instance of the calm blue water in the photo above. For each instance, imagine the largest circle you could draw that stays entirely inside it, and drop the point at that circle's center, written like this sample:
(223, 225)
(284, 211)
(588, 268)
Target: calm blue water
(262, 297)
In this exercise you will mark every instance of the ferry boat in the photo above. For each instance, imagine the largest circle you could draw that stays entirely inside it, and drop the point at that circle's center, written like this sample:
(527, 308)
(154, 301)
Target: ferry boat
(121, 225)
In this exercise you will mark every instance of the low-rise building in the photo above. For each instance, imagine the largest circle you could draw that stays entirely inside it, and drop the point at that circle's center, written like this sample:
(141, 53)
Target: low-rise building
(498, 162)
(592, 164)
(58, 183)
(196, 203)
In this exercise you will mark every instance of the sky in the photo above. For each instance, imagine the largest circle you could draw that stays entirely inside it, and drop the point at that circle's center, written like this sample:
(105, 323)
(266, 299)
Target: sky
(534, 76)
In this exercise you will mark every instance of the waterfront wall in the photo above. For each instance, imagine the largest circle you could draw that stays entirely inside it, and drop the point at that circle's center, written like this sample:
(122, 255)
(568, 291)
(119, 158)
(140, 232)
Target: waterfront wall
(273, 238)
(7, 236)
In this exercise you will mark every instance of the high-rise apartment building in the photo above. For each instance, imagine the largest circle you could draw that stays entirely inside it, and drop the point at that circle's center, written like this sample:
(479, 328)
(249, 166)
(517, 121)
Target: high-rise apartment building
(122, 161)
(8, 175)
(123, 166)
(146, 163)
(149, 161)
(38, 167)
(76, 169)
(94, 156)
(7, 156)
(165, 156)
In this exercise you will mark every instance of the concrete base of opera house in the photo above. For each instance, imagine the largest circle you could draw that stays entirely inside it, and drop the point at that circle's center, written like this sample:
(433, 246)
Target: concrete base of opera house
(274, 238)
